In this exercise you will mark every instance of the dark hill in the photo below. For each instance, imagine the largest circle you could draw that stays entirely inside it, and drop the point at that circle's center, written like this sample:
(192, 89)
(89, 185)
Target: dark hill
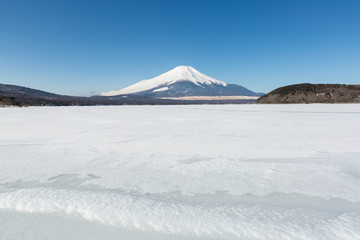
(313, 93)
(18, 91)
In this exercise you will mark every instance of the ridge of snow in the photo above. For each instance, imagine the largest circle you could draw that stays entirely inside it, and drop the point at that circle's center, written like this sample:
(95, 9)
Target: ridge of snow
(161, 89)
(178, 74)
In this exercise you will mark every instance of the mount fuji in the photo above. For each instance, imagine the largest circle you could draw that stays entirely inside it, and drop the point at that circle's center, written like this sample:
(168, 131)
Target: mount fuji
(183, 81)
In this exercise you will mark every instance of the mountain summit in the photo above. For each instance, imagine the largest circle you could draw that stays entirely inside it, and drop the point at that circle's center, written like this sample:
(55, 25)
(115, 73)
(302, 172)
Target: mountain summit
(183, 81)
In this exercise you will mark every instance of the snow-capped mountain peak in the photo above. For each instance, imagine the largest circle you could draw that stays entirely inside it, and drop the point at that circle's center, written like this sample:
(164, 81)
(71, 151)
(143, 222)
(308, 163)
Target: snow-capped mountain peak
(178, 74)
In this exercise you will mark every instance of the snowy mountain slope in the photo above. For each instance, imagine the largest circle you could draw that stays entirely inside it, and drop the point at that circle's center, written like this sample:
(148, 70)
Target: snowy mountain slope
(182, 81)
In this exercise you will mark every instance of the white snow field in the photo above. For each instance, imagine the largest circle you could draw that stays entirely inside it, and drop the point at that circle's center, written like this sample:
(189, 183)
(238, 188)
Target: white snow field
(180, 172)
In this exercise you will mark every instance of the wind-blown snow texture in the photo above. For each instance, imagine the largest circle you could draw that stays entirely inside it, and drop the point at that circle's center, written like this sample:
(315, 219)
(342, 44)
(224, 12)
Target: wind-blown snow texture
(180, 172)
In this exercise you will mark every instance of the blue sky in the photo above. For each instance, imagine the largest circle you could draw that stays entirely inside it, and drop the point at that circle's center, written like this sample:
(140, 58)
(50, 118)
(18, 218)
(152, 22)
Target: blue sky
(85, 47)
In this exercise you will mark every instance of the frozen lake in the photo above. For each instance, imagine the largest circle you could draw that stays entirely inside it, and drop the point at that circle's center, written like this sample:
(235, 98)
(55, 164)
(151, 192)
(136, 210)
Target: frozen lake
(180, 172)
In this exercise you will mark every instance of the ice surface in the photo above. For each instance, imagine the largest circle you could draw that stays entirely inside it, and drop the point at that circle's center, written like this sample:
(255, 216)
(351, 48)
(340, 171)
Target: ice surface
(180, 172)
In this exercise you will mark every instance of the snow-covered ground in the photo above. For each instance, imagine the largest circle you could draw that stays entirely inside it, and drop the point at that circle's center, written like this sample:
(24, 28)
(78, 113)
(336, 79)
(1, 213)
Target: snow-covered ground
(180, 172)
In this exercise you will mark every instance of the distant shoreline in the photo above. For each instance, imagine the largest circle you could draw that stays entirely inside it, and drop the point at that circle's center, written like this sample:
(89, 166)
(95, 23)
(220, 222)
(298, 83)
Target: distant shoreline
(209, 98)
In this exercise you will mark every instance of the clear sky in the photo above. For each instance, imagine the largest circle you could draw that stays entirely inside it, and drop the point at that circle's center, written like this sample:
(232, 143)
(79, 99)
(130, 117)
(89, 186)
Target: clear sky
(86, 47)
